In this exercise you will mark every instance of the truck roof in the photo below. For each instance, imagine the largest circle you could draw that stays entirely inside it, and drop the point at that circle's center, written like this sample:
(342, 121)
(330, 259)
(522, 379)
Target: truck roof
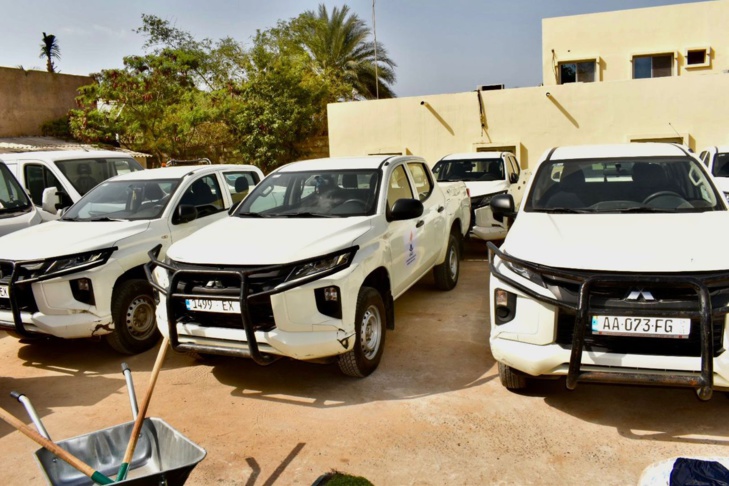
(178, 172)
(339, 163)
(476, 155)
(636, 149)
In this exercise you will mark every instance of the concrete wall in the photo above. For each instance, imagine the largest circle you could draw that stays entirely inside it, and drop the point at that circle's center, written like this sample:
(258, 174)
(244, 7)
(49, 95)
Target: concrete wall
(30, 98)
(613, 38)
(691, 109)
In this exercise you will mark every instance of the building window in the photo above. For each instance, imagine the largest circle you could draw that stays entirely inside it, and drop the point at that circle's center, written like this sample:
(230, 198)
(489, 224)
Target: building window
(655, 66)
(577, 72)
(698, 57)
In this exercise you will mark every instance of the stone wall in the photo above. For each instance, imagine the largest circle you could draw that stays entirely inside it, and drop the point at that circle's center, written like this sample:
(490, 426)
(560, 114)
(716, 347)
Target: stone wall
(30, 98)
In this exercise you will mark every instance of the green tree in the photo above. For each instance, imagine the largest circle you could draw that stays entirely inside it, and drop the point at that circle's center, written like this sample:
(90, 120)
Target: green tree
(338, 47)
(50, 51)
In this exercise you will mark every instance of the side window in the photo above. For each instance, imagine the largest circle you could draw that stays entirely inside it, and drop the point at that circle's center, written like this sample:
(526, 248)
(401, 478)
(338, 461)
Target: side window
(514, 166)
(398, 187)
(705, 157)
(37, 179)
(423, 184)
(239, 184)
(205, 195)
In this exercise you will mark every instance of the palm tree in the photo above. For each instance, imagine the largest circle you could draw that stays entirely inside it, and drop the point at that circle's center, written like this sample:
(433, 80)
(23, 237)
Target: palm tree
(50, 51)
(338, 45)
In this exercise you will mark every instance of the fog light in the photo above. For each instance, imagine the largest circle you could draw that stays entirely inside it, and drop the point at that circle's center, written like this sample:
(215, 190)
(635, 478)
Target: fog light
(83, 290)
(501, 297)
(328, 301)
(504, 306)
(331, 294)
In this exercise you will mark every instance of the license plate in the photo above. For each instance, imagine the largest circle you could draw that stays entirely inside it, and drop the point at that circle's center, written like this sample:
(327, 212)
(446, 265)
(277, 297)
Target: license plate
(4, 292)
(670, 327)
(210, 305)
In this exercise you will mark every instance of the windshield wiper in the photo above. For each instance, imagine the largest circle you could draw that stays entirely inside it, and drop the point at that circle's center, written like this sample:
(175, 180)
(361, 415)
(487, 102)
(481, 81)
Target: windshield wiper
(252, 215)
(103, 218)
(565, 211)
(641, 209)
(308, 214)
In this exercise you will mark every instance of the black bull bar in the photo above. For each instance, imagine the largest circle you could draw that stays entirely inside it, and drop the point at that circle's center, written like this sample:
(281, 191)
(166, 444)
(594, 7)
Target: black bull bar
(703, 382)
(175, 274)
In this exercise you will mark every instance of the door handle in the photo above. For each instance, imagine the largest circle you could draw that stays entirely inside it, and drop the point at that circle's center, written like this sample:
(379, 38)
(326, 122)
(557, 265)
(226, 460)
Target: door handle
(420, 223)
(441, 208)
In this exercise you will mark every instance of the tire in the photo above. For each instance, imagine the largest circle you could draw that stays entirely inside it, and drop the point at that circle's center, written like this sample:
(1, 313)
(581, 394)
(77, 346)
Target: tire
(369, 327)
(510, 379)
(446, 274)
(133, 313)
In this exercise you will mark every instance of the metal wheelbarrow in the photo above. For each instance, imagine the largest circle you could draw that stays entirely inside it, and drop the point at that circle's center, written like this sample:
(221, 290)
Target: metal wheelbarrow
(162, 456)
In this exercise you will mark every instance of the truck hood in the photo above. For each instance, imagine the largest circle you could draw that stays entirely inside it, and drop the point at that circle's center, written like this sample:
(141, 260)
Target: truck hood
(248, 241)
(57, 238)
(688, 242)
(480, 188)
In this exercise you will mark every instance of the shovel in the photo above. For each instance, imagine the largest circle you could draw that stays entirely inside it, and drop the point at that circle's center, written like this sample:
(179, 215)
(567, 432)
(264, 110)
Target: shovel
(122, 474)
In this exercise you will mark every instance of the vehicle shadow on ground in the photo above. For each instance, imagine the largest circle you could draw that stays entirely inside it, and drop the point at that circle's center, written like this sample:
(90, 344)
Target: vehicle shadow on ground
(640, 412)
(439, 345)
(84, 357)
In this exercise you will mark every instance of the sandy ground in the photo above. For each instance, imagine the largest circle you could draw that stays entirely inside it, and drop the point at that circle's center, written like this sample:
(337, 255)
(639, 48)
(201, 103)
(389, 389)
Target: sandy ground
(433, 413)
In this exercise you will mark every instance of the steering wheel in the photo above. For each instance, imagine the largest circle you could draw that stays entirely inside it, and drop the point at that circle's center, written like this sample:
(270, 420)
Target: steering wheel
(659, 194)
(357, 203)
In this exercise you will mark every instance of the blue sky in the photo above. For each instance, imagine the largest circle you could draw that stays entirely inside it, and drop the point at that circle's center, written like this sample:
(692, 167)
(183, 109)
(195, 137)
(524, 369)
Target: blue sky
(440, 46)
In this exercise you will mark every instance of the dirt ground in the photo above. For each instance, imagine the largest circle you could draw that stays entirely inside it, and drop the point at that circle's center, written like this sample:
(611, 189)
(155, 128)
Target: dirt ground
(433, 413)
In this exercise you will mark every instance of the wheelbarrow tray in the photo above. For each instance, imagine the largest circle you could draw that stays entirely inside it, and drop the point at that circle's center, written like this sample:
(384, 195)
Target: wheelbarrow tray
(162, 456)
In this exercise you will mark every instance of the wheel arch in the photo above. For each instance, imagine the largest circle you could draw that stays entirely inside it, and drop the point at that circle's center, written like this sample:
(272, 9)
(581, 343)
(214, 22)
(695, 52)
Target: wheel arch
(379, 279)
(131, 274)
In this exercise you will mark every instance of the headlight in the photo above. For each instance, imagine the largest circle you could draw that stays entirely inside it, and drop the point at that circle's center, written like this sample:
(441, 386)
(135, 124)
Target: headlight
(55, 267)
(483, 201)
(323, 266)
(161, 276)
(526, 273)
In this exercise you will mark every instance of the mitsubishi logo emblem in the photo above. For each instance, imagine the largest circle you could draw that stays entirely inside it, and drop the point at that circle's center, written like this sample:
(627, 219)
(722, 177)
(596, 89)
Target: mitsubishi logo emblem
(641, 294)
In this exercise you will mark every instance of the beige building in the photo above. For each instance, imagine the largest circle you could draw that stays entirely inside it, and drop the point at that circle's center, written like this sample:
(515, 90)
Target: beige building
(659, 73)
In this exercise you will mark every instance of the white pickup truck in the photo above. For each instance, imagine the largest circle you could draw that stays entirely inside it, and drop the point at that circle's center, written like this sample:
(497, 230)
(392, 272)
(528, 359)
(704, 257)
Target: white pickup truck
(82, 276)
(601, 278)
(486, 175)
(716, 159)
(308, 266)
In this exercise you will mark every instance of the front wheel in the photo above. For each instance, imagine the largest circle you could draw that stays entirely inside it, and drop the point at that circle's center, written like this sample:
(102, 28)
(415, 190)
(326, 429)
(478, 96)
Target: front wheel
(446, 274)
(132, 310)
(510, 379)
(369, 327)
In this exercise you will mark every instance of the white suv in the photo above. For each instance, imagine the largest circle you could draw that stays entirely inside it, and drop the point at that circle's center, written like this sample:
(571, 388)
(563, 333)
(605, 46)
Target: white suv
(615, 270)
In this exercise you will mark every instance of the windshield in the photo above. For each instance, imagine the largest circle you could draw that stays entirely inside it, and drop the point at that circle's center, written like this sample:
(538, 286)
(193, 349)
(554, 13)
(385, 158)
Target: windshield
(721, 165)
(326, 193)
(645, 184)
(124, 200)
(469, 170)
(84, 174)
(12, 197)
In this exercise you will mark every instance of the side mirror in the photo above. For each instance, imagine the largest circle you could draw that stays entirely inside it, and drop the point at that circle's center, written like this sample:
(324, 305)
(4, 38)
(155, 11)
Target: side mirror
(502, 206)
(50, 200)
(241, 184)
(514, 178)
(406, 209)
(185, 213)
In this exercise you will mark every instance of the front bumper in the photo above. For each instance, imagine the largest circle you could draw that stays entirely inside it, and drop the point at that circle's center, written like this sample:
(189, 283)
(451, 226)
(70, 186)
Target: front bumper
(276, 318)
(700, 362)
(49, 306)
